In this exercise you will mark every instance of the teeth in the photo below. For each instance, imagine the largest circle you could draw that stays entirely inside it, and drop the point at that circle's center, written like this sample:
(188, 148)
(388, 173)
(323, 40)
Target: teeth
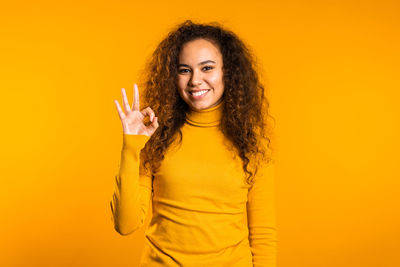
(199, 93)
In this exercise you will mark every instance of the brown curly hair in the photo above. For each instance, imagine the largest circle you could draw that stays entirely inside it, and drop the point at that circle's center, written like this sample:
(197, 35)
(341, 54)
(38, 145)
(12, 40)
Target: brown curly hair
(243, 113)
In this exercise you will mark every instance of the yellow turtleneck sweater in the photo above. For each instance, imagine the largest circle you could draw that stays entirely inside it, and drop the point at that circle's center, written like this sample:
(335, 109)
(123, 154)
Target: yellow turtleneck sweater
(204, 212)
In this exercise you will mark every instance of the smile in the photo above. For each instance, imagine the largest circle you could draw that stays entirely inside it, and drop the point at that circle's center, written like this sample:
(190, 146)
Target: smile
(198, 94)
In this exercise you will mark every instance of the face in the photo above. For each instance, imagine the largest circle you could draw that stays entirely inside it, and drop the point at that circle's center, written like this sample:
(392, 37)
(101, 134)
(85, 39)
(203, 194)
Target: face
(200, 76)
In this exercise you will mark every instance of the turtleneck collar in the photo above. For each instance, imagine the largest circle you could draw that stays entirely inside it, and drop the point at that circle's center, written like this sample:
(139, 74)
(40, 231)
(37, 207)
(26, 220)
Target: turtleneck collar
(205, 118)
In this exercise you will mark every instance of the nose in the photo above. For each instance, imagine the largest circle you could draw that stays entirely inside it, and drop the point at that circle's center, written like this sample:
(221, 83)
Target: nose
(196, 79)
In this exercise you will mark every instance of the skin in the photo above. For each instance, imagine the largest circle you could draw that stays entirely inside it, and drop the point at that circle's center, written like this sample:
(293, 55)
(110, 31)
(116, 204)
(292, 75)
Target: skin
(200, 67)
(132, 119)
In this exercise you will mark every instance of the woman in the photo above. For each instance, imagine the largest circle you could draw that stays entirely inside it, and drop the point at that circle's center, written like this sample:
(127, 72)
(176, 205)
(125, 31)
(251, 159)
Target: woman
(202, 158)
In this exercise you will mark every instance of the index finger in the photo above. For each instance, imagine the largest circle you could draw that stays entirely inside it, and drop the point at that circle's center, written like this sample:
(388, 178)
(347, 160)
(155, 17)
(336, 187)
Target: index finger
(135, 104)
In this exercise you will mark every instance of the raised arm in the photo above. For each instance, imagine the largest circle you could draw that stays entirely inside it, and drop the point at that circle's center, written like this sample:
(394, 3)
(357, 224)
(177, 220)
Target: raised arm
(132, 192)
(133, 186)
(261, 218)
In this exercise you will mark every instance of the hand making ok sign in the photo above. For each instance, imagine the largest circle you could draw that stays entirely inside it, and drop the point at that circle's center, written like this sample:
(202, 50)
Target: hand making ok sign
(133, 119)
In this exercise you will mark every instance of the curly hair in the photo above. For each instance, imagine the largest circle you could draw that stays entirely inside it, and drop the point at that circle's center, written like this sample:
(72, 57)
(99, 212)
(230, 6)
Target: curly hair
(243, 113)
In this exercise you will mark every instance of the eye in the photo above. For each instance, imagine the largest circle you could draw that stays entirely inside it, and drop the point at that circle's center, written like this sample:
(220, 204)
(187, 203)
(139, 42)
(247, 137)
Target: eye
(183, 71)
(208, 68)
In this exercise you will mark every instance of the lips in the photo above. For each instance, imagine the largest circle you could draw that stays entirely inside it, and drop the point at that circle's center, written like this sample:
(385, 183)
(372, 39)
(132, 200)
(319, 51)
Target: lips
(196, 91)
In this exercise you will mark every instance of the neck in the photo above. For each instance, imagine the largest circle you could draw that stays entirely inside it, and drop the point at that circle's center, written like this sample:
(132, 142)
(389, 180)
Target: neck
(206, 117)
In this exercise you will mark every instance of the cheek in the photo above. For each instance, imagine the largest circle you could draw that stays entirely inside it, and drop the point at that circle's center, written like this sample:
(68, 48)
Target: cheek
(217, 80)
(181, 83)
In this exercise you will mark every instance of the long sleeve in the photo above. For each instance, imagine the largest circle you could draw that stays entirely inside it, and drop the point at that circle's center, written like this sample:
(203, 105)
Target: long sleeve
(133, 190)
(261, 218)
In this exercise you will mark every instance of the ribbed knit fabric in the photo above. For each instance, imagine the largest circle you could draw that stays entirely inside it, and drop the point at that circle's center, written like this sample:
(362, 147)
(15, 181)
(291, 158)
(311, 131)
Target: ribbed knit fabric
(204, 212)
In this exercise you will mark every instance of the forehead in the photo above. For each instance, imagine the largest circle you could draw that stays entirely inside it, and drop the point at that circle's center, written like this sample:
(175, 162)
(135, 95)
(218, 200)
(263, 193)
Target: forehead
(199, 50)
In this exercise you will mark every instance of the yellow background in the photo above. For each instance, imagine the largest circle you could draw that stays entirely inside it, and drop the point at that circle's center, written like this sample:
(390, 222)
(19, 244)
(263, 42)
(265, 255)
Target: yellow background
(332, 68)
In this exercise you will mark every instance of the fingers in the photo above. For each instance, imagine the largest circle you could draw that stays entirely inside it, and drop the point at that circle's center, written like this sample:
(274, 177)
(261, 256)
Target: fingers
(120, 112)
(154, 125)
(125, 101)
(135, 103)
(149, 112)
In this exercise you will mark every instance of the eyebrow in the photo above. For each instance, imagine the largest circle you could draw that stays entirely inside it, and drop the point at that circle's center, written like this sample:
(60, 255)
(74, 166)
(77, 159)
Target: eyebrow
(201, 63)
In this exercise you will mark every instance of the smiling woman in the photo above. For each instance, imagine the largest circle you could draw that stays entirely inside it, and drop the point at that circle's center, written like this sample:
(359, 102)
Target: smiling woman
(200, 78)
(203, 160)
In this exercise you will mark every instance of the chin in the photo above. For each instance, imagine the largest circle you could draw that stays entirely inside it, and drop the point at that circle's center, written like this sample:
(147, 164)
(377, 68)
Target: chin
(201, 106)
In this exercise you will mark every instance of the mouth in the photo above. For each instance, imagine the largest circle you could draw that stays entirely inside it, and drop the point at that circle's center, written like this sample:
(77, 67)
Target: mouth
(198, 92)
